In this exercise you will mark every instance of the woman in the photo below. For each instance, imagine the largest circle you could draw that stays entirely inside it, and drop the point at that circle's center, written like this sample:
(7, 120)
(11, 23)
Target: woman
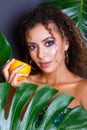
(56, 51)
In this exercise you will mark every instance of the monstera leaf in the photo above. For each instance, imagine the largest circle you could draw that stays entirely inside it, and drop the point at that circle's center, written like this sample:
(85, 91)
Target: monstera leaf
(75, 119)
(76, 9)
(5, 50)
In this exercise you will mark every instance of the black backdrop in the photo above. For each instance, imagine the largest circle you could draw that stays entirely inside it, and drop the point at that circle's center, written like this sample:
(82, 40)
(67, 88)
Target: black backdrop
(11, 13)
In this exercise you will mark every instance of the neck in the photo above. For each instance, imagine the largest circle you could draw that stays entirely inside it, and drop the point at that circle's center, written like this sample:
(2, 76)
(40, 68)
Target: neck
(58, 76)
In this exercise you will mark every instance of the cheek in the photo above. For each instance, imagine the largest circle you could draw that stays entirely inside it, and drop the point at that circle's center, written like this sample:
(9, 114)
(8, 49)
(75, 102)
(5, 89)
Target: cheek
(53, 51)
(33, 56)
(58, 54)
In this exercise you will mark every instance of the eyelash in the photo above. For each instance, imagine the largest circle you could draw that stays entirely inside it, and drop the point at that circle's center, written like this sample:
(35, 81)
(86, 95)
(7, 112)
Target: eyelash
(48, 43)
(32, 47)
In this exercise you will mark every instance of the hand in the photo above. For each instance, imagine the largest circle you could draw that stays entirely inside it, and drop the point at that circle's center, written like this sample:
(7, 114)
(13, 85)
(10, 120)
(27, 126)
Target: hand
(13, 76)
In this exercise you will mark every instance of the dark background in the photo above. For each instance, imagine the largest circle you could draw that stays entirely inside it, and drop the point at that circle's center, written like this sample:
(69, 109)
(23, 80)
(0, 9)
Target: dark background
(11, 14)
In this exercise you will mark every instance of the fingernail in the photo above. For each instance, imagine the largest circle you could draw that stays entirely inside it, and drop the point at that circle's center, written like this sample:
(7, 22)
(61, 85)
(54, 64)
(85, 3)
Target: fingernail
(7, 61)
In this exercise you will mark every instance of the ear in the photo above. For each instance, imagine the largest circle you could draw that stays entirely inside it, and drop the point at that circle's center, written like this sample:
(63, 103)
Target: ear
(66, 44)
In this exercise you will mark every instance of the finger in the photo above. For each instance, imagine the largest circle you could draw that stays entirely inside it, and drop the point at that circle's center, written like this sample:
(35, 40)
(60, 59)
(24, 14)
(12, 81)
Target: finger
(5, 71)
(8, 63)
(16, 71)
(15, 82)
(6, 66)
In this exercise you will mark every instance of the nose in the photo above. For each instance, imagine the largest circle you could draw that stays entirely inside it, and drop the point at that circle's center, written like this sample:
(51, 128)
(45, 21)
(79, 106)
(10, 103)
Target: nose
(41, 53)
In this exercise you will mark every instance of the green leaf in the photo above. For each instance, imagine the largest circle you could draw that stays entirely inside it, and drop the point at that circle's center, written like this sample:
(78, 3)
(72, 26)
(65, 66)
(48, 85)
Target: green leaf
(21, 96)
(56, 107)
(76, 119)
(5, 50)
(76, 10)
(4, 90)
(40, 99)
(37, 100)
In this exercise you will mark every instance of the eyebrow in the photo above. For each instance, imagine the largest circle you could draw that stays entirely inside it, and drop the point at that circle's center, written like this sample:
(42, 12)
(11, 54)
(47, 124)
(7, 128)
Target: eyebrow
(42, 40)
(47, 39)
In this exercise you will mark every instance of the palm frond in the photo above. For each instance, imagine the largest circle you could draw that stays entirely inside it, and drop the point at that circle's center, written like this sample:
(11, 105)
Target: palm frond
(5, 50)
(76, 10)
(37, 101)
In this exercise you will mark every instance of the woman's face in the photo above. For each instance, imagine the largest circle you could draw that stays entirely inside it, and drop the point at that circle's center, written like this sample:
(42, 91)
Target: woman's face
(46, 49)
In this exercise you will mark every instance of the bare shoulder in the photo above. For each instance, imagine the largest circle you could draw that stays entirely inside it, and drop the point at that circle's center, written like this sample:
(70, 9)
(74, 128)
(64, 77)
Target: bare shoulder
(82, 91)
(83, 84)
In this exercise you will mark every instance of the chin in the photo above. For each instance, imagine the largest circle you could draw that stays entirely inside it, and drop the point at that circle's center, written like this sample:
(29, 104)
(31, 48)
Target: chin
(47, 70)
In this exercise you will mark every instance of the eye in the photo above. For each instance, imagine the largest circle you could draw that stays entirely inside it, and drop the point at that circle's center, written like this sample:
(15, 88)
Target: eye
(49, 43)
(32, 46)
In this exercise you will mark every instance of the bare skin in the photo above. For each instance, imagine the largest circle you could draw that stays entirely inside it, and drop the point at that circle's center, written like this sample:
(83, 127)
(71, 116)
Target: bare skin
(48, 52)
(72, 86)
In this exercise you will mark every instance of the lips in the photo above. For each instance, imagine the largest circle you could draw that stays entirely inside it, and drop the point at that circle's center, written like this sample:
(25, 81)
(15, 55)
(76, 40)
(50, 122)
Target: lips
(45, 64)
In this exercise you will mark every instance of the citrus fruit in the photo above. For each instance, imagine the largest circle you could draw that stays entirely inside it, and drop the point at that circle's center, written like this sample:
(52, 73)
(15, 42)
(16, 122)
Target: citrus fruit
(25, 70)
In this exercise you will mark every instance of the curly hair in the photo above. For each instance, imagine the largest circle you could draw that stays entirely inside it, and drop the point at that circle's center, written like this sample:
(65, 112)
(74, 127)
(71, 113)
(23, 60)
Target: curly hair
(77, 56)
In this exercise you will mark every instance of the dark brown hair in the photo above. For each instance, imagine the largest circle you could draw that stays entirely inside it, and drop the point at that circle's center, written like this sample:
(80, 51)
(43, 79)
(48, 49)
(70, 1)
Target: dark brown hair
(77, 57)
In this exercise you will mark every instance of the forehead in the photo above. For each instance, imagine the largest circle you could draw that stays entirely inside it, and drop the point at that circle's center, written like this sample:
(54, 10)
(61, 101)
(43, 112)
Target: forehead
(40, 32)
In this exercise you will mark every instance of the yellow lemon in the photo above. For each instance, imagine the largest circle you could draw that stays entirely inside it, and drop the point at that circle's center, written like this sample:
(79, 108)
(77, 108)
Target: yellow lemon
(25, 70)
